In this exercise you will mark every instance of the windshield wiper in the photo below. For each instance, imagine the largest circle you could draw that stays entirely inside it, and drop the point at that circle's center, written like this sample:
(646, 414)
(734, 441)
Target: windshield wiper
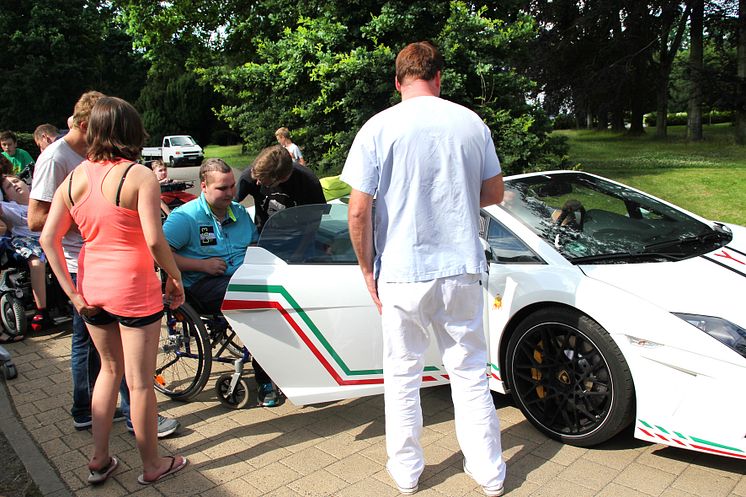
(711, 237)
(627, 256)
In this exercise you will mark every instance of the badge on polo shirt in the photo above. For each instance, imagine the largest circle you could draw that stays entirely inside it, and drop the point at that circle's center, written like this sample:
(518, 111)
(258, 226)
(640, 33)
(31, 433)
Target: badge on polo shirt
(207, 236)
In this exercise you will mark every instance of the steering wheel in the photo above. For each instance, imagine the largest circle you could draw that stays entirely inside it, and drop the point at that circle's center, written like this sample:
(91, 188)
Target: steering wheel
(571, 216)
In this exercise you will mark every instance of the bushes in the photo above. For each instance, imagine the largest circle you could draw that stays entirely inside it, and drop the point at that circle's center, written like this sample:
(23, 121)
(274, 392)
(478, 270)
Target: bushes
(224, 137)
(680, 118)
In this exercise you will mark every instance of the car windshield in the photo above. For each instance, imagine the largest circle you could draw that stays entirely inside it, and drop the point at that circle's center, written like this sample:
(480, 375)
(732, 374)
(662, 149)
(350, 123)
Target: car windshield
(182, 141)
(309, 234)
(588, 219)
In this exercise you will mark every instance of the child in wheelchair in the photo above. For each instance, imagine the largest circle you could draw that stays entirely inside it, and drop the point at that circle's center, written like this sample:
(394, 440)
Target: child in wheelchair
(22, 244)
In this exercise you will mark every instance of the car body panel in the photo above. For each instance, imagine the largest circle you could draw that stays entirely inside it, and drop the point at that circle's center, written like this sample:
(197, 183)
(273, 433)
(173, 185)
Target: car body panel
(314, 328)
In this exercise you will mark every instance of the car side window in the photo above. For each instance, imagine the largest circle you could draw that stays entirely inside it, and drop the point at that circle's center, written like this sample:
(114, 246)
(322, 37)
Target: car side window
(309, 234)
(166, 143)
(506, 248)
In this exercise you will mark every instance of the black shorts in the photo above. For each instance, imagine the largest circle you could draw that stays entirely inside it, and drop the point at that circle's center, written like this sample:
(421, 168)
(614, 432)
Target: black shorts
(104, 318)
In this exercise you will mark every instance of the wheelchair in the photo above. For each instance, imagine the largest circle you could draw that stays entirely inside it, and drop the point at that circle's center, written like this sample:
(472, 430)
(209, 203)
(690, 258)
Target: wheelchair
(191, 341)
(17, 299)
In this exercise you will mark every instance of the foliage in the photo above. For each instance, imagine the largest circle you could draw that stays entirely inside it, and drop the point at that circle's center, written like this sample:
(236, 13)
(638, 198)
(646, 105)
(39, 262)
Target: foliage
(176, 105)
(680, 118)
(54, 50)
(324, 74)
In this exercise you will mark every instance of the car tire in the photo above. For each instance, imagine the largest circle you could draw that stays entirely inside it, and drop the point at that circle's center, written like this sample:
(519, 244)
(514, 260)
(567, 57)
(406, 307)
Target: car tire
(569, 378)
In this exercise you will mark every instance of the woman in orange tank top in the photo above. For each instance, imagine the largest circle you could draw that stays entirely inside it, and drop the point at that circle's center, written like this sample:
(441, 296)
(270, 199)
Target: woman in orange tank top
(116, 205)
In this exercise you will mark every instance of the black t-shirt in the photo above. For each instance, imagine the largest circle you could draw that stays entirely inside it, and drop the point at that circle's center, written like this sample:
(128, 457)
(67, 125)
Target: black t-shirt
(301, 188)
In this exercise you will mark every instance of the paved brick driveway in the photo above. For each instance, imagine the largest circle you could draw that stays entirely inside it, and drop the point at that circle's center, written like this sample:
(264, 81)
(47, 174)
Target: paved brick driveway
(338, 448)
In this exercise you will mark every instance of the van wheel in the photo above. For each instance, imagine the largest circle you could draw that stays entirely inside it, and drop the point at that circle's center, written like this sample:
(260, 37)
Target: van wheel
(569, 378)
(171, 162)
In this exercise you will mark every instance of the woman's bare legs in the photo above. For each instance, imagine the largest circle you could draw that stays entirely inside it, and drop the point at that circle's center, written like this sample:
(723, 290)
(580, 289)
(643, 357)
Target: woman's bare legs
(108, 343)
(38, 272)
(140, 346)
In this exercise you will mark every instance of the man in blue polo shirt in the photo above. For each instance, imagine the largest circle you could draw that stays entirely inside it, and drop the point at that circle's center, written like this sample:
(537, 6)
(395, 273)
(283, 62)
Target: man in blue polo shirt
(209, 236)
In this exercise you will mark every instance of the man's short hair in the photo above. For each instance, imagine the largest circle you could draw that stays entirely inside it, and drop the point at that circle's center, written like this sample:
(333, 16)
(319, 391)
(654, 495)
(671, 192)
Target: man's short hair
(419, 60)
(272, 164)
(213, 165)
(156, 164)
(8, 135)
(83, 107)
(283, 132)
(45, 129)
(115, 129)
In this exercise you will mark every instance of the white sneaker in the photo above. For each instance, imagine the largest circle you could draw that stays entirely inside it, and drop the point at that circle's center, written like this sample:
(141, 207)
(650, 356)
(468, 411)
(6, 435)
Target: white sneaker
(493, 491)
(403, 490)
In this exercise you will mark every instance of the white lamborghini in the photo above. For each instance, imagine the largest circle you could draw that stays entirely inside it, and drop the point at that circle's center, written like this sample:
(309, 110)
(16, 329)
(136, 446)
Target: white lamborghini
(604, 306)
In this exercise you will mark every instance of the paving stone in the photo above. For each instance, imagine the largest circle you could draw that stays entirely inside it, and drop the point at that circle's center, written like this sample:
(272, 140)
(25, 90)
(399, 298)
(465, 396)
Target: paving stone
(701, 482)
(589, 474)
(644, 479)
(614, 490)
(318, 484)
(352, 468)
(309, 460)
(271, 477)
(225, 469)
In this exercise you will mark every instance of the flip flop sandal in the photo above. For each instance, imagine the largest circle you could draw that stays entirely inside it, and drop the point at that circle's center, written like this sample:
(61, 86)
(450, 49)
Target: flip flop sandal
(173, 468)
(97, 477)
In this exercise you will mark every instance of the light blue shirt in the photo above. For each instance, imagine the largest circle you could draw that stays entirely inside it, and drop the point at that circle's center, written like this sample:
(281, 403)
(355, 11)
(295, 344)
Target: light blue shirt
(193, 231)
(425, 160)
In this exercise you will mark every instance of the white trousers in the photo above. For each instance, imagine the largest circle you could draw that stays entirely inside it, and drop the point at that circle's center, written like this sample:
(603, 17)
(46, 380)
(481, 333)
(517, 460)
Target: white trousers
(453, 306)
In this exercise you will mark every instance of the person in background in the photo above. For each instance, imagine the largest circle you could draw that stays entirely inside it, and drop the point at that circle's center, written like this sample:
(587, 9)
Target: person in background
(275, 183)
(14, 213)
(115, 203)
(283, 138)
(17, 156)
(44, 135)
(430, 164)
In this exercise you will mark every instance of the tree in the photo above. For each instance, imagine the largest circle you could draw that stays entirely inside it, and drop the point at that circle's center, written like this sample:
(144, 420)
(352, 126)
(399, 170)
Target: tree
(667, 54)
(696, 65)
(54, 50)
(322, 68)
(741, 75)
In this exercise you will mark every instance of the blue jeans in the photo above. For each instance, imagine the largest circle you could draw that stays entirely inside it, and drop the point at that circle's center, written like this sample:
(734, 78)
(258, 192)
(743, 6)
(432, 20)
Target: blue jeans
(85, 365)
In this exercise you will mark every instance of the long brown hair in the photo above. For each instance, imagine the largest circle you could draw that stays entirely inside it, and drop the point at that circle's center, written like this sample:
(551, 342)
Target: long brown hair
(115, 129)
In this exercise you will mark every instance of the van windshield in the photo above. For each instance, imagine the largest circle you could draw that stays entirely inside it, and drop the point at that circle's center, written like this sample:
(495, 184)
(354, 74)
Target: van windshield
(182, 141)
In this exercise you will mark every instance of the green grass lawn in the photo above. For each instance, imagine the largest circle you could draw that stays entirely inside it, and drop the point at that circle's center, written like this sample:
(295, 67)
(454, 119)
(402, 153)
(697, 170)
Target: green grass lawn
(708, 178)
(231, 155)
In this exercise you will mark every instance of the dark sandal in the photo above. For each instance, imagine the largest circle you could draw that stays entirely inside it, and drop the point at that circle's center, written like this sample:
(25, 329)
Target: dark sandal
(173, 468)
(97, 477)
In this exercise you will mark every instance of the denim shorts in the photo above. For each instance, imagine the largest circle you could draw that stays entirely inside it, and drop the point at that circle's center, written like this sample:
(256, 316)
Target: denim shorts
(103, 318)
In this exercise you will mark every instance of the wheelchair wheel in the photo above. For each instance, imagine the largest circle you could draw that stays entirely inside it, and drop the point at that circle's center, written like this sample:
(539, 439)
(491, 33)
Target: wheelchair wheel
(13, 315)
(239, 398)
(184, 361)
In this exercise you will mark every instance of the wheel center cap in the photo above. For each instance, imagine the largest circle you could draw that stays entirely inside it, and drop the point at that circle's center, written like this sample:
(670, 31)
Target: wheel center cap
(564, 377)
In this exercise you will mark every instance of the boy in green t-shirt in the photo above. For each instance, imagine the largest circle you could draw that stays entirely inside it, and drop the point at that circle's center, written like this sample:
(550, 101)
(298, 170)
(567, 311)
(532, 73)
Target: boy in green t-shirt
(17, 156)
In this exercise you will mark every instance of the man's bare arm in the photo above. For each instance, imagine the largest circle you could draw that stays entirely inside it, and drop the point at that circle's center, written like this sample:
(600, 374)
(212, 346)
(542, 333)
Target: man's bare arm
(492, 191)
(361, 236)
(214, 266)
(37, 214)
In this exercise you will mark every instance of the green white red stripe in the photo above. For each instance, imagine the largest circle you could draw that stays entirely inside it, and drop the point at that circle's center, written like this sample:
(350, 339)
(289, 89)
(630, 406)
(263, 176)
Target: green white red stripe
(336, 367)
(658, 432)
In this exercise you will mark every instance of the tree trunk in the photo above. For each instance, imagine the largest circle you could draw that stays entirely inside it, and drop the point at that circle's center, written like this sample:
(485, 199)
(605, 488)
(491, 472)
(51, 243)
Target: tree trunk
(666, 57)
(741, 75)
(694, 117)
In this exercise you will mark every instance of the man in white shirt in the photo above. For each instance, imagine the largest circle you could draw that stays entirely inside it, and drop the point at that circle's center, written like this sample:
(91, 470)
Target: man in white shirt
(430, 164)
